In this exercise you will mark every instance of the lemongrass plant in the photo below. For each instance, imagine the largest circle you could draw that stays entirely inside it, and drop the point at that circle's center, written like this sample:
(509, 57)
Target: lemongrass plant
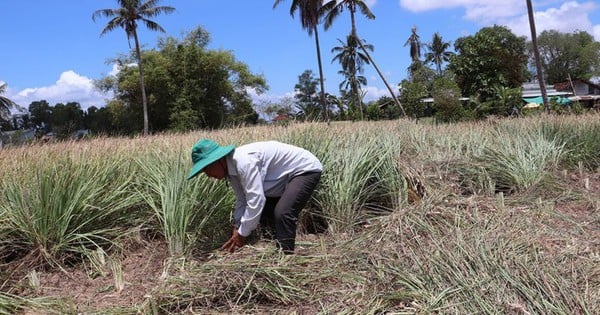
(350, 181)
(519, 163)
(581, 140)
(65, 205)
(184, 208)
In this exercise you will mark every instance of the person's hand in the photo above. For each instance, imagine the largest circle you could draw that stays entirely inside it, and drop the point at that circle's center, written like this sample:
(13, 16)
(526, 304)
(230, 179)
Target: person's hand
(236, 241)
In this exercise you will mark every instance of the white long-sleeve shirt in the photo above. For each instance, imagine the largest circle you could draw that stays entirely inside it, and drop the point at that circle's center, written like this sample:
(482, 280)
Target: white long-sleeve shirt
(263, 169)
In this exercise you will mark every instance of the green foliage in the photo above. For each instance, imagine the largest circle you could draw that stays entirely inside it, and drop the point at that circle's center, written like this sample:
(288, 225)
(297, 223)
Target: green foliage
(41, 113)
(183, 119)
(411, 94)
(493, 57)
(446, 98)
(388, 108)
(443, 253)
(568, 54)
(66, 119)
(438, 52)
(373, 111)
(98, 120)
(502, 102)
(5, 103)
(352, 59)
(307, 96)
(346, 194)
(128, 16)
(188, 87)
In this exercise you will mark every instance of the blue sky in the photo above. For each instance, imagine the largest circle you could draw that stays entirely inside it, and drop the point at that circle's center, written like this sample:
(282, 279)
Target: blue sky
(52, 50)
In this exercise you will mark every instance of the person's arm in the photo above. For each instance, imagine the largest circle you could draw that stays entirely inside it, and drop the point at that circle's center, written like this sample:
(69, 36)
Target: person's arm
(250, 200)
(251, 182)
(240, 203)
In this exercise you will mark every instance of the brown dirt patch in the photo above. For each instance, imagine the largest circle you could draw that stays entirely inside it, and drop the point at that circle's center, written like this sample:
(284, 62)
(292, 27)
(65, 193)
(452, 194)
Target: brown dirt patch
(141, 269)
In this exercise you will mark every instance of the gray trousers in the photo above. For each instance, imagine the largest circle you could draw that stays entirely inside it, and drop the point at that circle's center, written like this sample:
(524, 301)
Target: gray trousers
(280, 214)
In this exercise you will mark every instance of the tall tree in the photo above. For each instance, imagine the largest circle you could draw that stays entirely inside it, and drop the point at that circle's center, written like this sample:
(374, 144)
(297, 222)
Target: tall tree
(5, 106)
(188, 86)
(352, 60)
(127, 17)
(562, 55)
(41, 113)
(437, 52)
(5, 103)
(310, 14)
(415, 44)
(306, 95)
(333, 8)
(493, 57)
(66, 119)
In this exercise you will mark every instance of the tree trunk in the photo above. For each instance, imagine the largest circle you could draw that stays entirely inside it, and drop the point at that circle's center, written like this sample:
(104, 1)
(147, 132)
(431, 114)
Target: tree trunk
(354, 33)
(142, 85)
(536, 54)
(323, 101)
(382, 78)
(355, 90)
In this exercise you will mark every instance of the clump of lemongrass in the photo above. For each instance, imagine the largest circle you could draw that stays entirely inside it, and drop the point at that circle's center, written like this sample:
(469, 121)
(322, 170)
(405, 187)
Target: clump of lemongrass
(580, 139)
(65, 206)
(394, 182)
(473, 178)
(350, 182)
(183, 207)
(517, 164)
(442, 142)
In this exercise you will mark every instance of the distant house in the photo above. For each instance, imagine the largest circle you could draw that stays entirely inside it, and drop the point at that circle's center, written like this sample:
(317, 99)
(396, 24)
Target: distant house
(281, 119)
(587, 93)
(531, 94)
(532, 89)
(578, 87)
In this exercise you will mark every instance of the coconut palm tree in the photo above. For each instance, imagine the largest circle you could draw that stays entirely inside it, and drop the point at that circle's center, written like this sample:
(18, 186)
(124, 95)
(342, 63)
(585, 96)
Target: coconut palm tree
(414, 41)
(127, 17)
(333, 8)
(352, 60)
(5, 106)
(438, 52)
(310, 11)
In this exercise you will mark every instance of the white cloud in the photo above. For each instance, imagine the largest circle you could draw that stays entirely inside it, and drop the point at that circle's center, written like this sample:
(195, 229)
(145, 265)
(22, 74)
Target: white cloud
(567, 17)
(70, 87)
(115, 69)
(374, 93)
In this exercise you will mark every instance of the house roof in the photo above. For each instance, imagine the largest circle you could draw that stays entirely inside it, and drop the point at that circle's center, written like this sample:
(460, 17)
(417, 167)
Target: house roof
(566, 85)
(532, 89)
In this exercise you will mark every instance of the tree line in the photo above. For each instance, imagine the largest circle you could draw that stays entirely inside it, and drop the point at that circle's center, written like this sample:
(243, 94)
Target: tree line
(181, 85)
